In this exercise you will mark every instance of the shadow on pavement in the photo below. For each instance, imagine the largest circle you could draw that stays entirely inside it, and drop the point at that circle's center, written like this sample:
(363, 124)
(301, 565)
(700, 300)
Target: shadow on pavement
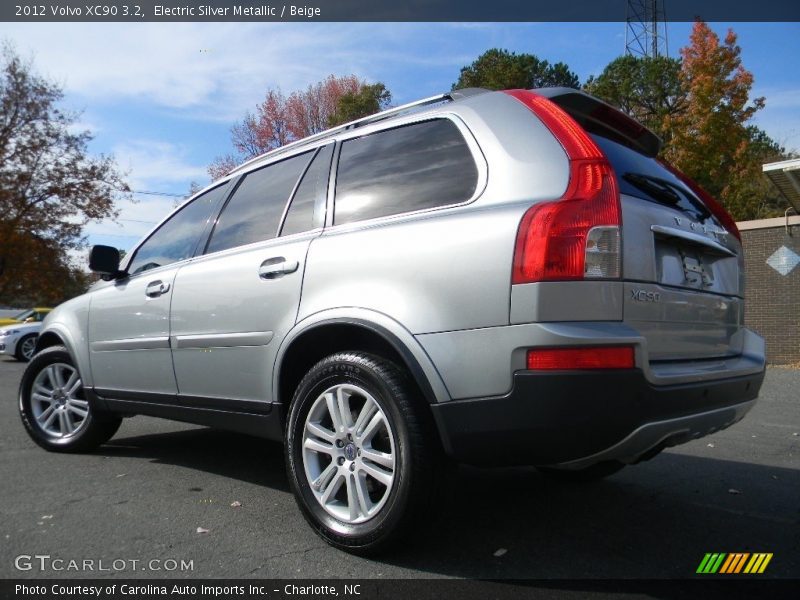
(232, 455)
(654, 520)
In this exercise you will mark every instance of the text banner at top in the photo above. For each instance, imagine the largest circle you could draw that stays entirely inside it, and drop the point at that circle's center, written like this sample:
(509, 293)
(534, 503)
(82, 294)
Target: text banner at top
(393, 10)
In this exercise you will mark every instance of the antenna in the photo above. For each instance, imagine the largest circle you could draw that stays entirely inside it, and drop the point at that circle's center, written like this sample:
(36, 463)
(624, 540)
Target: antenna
(646, 29)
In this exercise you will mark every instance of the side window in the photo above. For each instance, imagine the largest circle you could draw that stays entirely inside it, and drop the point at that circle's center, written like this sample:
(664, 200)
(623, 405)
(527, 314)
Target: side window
(310, 194)
(254, 212)
(176, 239)
(409, 168)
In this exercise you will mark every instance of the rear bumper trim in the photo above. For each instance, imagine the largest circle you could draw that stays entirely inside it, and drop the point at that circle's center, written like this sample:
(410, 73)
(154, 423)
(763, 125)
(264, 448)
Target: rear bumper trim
(663, 434)
(578, 418)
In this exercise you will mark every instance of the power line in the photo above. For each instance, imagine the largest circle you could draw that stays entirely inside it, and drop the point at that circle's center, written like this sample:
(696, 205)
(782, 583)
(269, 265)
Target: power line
(148, 193)
(139, 221)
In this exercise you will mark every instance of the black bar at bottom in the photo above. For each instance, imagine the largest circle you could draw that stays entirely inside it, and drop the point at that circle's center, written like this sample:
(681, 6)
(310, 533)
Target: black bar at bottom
(729, 587)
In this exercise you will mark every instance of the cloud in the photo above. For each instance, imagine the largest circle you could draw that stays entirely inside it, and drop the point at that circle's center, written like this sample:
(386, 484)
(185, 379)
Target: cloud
(151, 165)
(780, 98)
(155, 164)
(214, 71)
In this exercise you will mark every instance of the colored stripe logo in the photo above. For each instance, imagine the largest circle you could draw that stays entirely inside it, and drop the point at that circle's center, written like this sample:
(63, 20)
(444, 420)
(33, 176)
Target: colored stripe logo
(734, 562)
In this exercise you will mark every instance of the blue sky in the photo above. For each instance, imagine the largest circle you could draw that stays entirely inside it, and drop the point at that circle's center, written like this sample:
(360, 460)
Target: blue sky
(161, 97)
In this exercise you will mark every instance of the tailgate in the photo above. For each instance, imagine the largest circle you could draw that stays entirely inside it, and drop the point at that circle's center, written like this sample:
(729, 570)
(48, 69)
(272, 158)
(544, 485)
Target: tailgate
(682, 270)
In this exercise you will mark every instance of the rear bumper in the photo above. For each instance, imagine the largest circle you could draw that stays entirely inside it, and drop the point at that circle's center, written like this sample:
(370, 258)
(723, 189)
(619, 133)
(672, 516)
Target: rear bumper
(575, 419)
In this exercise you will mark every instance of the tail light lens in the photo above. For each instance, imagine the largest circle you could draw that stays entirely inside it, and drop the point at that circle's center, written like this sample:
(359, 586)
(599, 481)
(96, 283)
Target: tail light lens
(565, 359)
(577, 236)
(722, 215)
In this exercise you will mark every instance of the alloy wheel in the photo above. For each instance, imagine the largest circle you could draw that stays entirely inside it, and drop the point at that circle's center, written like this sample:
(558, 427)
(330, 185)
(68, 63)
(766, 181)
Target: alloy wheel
(349, 453)
(57, 402)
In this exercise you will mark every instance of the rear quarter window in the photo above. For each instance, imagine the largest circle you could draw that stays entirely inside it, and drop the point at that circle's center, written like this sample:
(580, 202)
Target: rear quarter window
(414, 167)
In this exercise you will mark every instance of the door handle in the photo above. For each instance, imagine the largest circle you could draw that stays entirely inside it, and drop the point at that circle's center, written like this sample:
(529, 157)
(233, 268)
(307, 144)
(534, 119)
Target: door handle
(272, 268)
(155, 288)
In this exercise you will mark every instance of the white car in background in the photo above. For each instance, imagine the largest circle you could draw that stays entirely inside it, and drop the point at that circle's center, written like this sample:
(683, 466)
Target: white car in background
(19, 340)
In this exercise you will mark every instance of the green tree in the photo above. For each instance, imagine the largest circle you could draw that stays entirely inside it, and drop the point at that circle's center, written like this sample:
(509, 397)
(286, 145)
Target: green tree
(498, 69)
(368, 100)
(50, 187)
(763, 149)
(648, 89)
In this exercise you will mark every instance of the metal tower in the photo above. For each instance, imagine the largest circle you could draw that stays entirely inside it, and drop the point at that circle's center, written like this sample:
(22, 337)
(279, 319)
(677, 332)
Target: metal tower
(646, 29)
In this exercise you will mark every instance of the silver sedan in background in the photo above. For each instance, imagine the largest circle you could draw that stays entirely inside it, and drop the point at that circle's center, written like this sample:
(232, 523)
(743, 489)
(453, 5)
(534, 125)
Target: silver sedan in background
(19, 340)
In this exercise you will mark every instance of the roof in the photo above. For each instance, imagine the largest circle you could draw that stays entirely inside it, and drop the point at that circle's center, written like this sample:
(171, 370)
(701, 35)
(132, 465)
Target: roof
(785, 175)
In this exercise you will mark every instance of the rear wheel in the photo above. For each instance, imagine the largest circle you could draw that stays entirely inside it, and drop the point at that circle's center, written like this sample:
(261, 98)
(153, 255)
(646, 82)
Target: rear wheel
(361, 455)
(54, 408)
(594, 472)
(25, 348)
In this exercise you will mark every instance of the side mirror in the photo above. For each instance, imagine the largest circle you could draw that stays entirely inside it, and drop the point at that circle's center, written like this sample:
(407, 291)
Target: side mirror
(105, 261)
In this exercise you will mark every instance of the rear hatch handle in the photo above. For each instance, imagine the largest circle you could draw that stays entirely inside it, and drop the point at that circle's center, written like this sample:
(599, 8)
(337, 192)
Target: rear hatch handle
(695, 238)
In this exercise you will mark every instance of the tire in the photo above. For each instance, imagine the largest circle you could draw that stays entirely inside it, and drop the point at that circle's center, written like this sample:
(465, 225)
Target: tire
(54, 409)
(593, 473)
(365, 483)
(26, 347)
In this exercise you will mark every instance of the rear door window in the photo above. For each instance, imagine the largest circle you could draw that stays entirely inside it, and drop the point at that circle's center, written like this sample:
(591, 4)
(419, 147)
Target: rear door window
(254, 212)
(414, 167)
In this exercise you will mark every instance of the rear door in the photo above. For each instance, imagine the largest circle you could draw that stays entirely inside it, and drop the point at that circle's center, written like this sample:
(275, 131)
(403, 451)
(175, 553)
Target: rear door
(233, 305)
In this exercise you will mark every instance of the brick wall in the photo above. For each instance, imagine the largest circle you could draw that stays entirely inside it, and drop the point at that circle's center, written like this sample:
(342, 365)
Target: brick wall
(772, 300)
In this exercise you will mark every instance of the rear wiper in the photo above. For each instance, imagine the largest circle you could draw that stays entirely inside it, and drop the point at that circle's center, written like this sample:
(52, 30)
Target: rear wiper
(665, 191)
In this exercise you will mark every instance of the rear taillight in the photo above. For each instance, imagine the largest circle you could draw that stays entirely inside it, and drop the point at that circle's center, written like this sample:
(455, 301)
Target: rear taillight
(722, 215)
(565, 359)
(577, 236)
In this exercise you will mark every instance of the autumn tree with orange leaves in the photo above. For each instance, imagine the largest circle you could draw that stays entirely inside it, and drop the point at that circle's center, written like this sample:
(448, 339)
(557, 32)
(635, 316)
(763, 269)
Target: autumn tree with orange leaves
(712, 139)
(279, 120)
(701, 108)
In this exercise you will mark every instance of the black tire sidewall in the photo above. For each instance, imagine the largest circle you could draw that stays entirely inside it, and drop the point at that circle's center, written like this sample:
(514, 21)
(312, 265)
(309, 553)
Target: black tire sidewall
(340, 369)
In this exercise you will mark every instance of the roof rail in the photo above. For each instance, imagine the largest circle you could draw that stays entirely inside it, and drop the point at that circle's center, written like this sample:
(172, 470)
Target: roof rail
(351, 125)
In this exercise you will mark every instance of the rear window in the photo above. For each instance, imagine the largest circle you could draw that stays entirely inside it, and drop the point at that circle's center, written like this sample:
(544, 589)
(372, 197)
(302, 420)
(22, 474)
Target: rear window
(643, 177)
(418, 166)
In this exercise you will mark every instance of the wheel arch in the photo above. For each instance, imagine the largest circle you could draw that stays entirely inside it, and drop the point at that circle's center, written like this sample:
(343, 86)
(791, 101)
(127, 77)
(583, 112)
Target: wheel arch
(47, 339)
(55, 335)
(320, 335)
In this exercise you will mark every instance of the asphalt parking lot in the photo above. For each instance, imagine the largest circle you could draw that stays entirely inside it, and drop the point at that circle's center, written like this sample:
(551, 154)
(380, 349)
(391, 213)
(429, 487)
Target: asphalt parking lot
(144, 495)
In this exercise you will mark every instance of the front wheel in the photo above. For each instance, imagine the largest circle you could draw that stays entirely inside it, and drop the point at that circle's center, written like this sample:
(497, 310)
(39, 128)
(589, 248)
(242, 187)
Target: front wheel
(360, 451)
(54, 408)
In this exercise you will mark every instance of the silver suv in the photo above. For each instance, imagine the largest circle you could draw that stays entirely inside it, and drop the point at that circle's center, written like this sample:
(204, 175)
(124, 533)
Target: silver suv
(495, 278)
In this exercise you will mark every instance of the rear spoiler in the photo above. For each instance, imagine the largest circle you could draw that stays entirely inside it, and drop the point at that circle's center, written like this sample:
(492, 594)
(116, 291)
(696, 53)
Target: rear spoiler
(596, 116)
